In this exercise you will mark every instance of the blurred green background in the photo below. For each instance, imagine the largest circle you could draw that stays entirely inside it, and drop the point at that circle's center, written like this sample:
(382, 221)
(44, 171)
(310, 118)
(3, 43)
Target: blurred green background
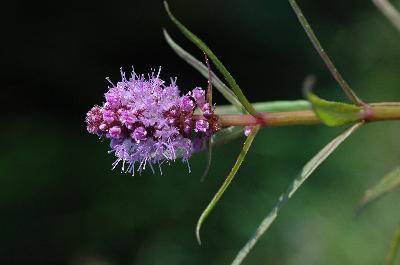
(60, 202)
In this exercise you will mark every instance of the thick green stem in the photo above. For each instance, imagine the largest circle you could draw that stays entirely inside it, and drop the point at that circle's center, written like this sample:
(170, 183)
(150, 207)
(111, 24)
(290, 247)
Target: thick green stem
(379, 112)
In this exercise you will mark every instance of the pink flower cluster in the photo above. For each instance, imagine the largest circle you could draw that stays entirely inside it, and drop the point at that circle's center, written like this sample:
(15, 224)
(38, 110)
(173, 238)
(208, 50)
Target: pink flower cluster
(149, 123)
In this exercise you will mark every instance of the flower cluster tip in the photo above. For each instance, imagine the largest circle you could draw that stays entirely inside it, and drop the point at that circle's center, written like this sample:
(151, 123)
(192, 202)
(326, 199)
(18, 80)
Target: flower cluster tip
(149, 123)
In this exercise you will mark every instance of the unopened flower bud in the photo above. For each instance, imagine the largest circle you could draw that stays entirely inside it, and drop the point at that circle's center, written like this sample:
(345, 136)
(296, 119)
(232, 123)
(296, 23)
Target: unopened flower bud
(115, 132)
(207, 110)
(187, 104)
(248, 130)
(199, 96)
(108, 116)
(103, 126)
(139, 134)
(202, 126)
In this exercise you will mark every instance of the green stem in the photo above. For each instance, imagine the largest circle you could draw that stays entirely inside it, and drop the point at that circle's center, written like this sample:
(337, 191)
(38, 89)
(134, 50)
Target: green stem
(380, 112)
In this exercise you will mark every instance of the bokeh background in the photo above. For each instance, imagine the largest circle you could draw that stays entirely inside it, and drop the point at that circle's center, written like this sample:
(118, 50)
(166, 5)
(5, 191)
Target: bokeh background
(60, 202)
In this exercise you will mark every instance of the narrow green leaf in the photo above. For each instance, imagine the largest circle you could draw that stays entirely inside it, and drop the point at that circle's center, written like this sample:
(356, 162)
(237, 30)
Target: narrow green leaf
(227, 181)
(394, 247)
(209, 81)
(202, 46)
(208, 160)
(389, 11)
(322, 53)
(271, 106)
(307, 170)
(388, 183)
(227, 135)
(334, 113)
(200, 67)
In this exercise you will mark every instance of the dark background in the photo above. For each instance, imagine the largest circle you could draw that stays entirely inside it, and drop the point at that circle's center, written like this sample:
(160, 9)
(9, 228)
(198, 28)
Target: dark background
(60, 203)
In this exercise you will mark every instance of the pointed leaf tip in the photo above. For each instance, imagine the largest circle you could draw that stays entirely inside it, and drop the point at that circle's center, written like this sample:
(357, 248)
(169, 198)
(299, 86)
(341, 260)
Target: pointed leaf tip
(388, 183)
(228, 180)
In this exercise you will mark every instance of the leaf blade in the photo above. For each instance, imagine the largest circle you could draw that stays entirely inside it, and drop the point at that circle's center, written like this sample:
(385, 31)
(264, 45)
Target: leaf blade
(334, 113)
(202, 69)
(228, 180)
(387, 183)
(270, 106)
(394, 247)
(307, 170)
(202, 46)
(324, 56)
(387, 9)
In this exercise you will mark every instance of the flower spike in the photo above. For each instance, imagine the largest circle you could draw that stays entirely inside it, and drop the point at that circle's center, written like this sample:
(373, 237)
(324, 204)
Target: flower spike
(149, 123)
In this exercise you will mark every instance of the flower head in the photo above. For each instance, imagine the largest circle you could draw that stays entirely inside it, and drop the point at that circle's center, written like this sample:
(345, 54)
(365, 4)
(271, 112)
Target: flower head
(149, 122)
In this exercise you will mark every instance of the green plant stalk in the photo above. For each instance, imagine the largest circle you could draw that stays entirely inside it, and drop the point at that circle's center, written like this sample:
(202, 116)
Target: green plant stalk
(380, 112)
